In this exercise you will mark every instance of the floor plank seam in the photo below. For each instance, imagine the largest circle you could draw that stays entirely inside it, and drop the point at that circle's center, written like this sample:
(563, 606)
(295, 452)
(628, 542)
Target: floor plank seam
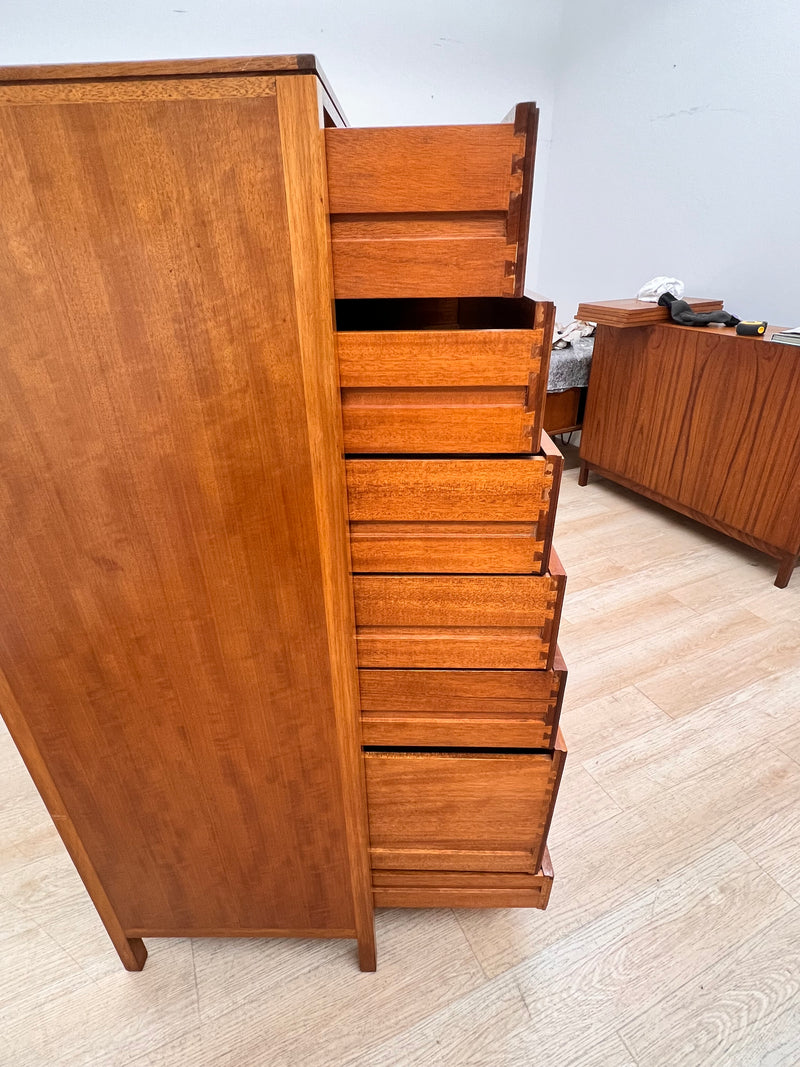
(788, 755)
(465, 935)
(603, 790)
(518, 988)
(196, 987)
(739, 754)
(627, 1048)
(793, 895)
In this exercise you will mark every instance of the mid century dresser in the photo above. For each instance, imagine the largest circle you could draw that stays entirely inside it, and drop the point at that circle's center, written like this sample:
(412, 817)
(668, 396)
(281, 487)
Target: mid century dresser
(278, 600)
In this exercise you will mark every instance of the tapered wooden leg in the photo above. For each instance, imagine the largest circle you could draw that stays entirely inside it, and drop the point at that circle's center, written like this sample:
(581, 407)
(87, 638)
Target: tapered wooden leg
(583, 474)
(367, 955)
(132, 952)
(787, 565)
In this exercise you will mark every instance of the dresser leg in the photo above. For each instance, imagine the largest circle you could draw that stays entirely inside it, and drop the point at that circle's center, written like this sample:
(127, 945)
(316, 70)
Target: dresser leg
(367, 957)
(132, 952)
(583, 474)
(787, 565)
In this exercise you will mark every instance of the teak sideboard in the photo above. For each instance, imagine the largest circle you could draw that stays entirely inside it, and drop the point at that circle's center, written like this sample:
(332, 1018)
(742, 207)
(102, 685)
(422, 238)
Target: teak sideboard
(700, 419)
(278, 600)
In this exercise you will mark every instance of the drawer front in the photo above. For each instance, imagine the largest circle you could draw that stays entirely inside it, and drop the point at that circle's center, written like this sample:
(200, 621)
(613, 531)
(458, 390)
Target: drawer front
(435, 358)
(563, 411)
(452, 419)
(461, 811)
(433, 376)
(462, 889)
(483, 622)
(462, 709)
(481, 516)
(431, 211)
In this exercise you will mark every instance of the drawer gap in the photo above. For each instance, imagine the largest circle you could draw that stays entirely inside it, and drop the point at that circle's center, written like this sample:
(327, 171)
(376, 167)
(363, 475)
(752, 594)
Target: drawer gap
(442, 750)
(450, 670)
(384, 456)
(450, 574)
(445, 313)
(389, 226)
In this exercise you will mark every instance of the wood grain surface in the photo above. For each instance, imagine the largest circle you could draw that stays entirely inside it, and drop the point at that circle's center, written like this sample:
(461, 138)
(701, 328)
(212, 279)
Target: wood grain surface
(386, 266)
(172, 590)
(431, 211)
(463, 889)
(477, 621)
(413, 358)
(704, 421)
(448, 490)
(159, 68)
(153, 69)
(448, 547)
(563, 411)
(461, 811)
(465, 708)
(476, 515)
(301, 116)
(624, 313)
(449, 419)
(443, 375)
(419, 169)
(131, 950)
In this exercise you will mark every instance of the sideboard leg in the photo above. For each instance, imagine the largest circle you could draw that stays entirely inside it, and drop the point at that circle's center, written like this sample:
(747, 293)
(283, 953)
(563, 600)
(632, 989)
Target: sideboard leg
(787, 565)
(583, 474)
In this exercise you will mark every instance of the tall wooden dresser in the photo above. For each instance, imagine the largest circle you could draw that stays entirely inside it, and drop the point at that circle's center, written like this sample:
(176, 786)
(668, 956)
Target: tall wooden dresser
(249, 712)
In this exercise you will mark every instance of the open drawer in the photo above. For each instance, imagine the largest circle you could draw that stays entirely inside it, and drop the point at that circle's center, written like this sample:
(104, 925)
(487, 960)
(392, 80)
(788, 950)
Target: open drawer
(463, 889)
(460, 810)
(482, 622)
(443, 376)
(456, 515)
(431, 210)
(462, 709)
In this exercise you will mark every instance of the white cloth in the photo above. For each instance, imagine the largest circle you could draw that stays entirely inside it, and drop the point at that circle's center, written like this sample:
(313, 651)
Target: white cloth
(653, 289)
(565, 334)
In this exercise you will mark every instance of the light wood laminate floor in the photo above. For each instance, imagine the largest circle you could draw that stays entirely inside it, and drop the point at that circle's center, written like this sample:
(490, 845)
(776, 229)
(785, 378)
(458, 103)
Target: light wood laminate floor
(673, 933)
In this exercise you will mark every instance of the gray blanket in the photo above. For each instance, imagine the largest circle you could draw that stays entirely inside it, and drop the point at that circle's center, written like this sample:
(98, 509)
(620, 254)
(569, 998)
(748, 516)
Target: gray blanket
(569, 367)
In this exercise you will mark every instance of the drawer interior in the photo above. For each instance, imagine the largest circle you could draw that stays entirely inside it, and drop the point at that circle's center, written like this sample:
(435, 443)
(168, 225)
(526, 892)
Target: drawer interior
(476, 313)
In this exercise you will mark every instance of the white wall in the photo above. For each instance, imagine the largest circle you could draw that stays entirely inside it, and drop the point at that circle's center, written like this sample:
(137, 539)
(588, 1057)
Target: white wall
(416, 62)
(676, 151)
(673, 124)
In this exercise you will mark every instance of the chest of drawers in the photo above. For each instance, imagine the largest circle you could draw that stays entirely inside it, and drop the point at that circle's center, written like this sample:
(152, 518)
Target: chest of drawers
(279, 604)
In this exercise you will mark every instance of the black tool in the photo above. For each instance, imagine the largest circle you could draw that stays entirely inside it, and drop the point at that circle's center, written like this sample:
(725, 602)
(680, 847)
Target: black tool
(751, 328)
(682, 313)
